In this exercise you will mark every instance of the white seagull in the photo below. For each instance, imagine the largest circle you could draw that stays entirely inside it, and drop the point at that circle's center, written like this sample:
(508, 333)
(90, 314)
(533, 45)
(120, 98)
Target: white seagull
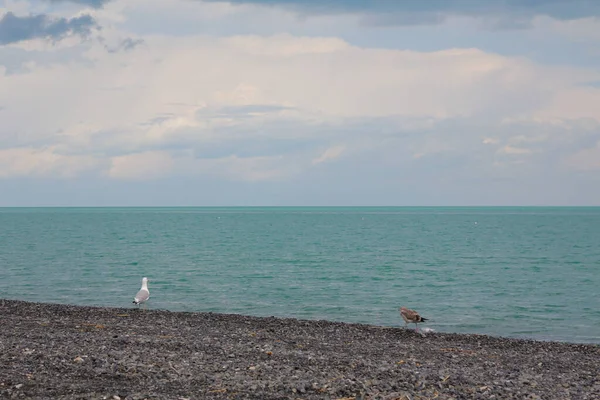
(143, 295)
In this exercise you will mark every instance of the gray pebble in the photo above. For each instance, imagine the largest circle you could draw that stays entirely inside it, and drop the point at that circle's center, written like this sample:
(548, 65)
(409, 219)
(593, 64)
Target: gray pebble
(160, 354)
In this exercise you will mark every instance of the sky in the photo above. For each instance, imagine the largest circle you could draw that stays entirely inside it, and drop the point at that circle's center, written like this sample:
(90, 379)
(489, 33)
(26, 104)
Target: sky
(299, 102)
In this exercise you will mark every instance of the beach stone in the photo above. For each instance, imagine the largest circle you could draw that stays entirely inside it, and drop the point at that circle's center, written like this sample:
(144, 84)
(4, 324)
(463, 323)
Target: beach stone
(161, 354)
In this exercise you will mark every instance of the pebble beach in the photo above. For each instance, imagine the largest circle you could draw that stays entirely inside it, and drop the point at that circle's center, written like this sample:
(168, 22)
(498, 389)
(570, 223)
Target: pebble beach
(54, 351)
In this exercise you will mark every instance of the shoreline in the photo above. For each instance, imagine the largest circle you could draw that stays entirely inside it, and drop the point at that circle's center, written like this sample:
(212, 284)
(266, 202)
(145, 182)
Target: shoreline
(399, 325)
(50, 350)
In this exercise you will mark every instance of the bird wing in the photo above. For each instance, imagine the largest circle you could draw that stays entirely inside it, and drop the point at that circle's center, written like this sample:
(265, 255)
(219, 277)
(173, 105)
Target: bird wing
(410, 315)
(142, 296)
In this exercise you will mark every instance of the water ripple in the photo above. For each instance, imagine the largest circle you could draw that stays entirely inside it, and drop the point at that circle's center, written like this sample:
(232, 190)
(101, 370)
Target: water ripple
(522, 272)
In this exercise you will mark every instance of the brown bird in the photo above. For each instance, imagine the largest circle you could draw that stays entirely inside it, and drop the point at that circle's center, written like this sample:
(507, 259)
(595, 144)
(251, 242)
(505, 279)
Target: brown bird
(411, 316)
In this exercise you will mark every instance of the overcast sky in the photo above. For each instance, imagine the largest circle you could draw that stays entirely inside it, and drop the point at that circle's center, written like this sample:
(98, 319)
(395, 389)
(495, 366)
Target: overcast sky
(299, 102)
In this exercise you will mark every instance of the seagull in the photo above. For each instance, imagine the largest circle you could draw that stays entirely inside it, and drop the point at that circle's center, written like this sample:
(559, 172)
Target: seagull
(144, 294)
(411, 316)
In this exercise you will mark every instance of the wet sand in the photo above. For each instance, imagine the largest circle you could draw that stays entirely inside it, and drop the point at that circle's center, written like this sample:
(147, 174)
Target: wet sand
(70, 352)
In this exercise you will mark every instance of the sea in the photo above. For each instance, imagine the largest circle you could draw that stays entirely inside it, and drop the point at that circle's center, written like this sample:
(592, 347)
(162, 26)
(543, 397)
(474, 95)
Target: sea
(523, 272)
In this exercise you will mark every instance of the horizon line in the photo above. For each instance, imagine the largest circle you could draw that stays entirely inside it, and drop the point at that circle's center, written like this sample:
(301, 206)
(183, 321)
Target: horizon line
(306, 206)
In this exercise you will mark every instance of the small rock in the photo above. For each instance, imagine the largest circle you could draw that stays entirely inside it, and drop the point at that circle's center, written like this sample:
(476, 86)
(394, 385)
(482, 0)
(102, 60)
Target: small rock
(78, 359)
(19, 386)
(301, 387)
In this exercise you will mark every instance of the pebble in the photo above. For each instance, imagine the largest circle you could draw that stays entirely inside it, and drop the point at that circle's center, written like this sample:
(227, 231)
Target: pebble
(215, 356)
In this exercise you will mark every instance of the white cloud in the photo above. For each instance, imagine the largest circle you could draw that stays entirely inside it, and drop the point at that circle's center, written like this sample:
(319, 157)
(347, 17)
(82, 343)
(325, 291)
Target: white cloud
(514, 150)
(490, 141)
(251, 169)
(147, 165)
(312, 74)
(162, 108)
(585, 160)
(330, 154)
(43, 162)
(572, 103)
(581, 29)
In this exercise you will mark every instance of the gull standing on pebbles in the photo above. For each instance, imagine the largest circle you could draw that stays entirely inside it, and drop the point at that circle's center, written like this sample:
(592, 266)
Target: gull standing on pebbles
(412, 316)
(143, 295)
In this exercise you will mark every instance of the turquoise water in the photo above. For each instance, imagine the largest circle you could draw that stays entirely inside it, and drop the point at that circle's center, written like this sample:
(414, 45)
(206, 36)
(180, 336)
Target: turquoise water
(519, 272)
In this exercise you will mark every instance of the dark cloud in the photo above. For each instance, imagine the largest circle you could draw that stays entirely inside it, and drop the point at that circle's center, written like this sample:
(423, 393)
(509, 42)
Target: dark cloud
(125, 45)
(15, 29)
(414, 12)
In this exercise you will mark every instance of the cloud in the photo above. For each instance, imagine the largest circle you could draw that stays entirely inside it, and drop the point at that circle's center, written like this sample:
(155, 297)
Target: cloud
(585, 29)
(42, 162)
(91, 3)
(490, 141)
(514, 150)
(17, 59)
(147, 165)
(499, 13)
(299, 112)
(245, 111)
(585, 160)
(331, 153)
(153, 165)
(15, 29)
(125, 45)
(585, 97)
